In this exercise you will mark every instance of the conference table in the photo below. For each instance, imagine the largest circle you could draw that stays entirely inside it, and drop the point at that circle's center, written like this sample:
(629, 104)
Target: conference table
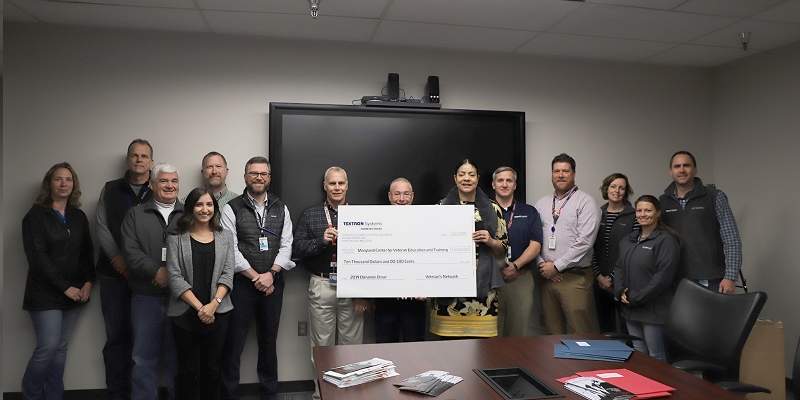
(460, 357)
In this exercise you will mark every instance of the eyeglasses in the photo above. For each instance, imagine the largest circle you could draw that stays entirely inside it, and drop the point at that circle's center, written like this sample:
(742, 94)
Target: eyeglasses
(257, 174)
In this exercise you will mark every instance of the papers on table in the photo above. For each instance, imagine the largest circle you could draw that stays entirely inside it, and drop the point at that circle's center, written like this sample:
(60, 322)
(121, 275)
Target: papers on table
(432, 383)
(597, 350)
(640, 386)
(360, 372)
(596, 389)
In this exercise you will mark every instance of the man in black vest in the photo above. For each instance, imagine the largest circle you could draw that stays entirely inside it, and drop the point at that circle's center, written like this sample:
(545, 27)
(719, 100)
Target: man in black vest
(262, 236)
(711, 249)
(116, 198)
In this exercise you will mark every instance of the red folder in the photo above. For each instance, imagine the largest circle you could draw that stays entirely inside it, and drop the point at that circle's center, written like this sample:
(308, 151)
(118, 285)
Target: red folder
(643, 387)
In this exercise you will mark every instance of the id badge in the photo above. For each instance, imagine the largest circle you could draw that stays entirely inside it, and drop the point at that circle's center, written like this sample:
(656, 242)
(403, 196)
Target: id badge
(332, 278)
(263, 243)
(508, 253)
(551, 242)
(163, 254)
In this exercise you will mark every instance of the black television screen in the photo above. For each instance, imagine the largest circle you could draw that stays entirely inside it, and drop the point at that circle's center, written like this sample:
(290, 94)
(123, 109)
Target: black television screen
(376, 145)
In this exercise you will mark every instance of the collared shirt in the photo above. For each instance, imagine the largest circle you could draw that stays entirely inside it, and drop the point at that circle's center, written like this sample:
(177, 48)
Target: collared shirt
(284, 256)
(575, 231)
(224, 196)
(728, 233)
(524, 225)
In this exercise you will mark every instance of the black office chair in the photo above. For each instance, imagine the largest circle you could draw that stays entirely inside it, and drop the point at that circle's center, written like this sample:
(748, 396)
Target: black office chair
(707, 330)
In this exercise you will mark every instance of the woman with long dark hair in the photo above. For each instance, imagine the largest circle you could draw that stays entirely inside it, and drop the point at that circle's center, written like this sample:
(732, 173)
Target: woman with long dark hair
(475, 317)
(200, 264)
(55, 234)
(616, 222)
(644, 277)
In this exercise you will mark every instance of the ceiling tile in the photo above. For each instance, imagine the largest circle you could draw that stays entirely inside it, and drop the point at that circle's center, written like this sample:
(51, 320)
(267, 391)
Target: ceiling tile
(341, 8)
(291, 26)
(138, 3)
(450, 36)
(592, 47)
(788, 11)
(656, 4)
(697, 56)
(731, 8)
(636, 23)
(513, 14)
(114, 16)
(13, 13)
(764, 35)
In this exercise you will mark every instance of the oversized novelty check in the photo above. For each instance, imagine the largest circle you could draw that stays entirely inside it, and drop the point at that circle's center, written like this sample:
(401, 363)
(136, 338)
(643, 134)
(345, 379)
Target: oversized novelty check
(406, 251)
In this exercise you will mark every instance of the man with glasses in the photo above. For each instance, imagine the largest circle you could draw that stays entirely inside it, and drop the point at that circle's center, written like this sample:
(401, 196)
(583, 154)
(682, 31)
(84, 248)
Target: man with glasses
(262, 237)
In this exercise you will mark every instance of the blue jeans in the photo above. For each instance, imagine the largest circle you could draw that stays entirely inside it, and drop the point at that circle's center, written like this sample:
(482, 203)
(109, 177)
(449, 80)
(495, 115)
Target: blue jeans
(153, 344)
(115, 300)
(653, 335)
(44, 376)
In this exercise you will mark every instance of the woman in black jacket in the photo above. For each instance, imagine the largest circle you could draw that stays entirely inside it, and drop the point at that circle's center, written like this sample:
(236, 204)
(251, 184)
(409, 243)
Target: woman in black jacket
(55, 234)
(644, 277)
(617, 222)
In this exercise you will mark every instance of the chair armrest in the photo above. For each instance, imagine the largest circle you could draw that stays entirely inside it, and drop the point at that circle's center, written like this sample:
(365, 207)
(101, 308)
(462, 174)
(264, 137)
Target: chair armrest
(621, 336)
(698, 366)
(739, 387)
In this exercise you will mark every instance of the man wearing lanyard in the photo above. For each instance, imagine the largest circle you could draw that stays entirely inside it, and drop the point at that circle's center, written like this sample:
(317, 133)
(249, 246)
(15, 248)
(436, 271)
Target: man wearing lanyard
(711, 249)
(262, 239)
(117, 197)
(570, 219)
(144, 245)
(525, 241)
(315, 246)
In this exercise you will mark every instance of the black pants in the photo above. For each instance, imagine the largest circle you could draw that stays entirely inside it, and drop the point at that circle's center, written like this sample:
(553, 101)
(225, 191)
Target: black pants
(199, 350)
(249, 304)
(115, 302)
(608, 315)
(399, 320)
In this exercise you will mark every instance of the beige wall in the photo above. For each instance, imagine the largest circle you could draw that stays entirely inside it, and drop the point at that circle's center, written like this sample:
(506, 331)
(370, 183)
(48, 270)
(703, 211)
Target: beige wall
(81, 95)
(755, 123)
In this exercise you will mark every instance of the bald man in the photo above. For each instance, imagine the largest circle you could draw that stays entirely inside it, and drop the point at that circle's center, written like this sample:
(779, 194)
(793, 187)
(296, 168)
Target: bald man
(400, 320)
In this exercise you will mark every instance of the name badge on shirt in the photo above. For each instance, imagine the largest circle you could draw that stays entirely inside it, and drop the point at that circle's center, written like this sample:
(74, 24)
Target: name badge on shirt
(508, 253)
(332, 278)
(263, 243)
(163, 254)
(551, 242)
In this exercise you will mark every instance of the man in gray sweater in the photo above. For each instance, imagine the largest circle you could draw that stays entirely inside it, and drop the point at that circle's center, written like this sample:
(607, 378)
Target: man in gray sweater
(144, 245)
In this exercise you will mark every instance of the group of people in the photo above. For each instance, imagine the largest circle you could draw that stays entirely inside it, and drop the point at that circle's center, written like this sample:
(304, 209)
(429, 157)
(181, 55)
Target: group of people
(180, 283)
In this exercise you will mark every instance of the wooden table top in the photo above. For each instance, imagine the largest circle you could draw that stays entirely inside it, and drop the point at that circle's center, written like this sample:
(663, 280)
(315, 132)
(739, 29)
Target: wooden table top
(459, 357)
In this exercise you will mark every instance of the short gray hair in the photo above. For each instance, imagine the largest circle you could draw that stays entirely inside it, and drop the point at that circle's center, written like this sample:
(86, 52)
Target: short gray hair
(161, 168)
(401, 179)
(504, 169)
(333, 169)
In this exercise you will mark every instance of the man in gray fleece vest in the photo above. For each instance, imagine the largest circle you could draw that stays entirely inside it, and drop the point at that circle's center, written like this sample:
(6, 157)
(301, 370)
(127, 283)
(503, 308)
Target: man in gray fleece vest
(144, 245)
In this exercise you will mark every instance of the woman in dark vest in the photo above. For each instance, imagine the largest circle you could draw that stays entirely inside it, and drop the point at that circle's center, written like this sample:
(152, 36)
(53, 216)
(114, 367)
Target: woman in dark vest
(200, 264)
(55, 234)
(617, 221)
(475, 317)
(644, 277)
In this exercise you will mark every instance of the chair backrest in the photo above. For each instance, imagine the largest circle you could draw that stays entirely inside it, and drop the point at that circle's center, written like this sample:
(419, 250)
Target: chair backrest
(710, 326)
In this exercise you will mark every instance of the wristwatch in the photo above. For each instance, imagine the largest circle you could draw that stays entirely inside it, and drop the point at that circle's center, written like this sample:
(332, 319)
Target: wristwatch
(274, 273)
(218, 299)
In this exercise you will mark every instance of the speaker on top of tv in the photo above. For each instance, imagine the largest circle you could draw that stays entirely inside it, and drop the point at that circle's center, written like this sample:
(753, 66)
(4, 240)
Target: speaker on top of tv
(432, 89)
(393, 86)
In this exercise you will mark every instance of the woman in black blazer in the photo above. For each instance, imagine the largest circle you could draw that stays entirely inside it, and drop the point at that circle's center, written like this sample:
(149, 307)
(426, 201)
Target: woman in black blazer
(55, 234)
(200, 264)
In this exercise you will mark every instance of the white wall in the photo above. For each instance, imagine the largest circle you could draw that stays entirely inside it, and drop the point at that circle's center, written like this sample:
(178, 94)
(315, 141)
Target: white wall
(81, 95)
(755, 122)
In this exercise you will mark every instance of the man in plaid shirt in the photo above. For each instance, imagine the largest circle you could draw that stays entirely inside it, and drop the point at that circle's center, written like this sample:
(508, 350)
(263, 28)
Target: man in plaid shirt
(711, 249)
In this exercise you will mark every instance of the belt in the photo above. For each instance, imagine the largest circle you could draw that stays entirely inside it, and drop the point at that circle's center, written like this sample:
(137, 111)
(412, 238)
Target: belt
(577, 270)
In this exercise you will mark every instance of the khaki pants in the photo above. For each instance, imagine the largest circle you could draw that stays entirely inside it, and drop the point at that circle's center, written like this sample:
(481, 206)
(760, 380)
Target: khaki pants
(516, 313)
(568, 306)
(330, 317)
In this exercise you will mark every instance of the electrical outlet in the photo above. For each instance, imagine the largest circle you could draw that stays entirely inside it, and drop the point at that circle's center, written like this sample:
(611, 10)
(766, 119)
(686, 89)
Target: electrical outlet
(302, 328)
